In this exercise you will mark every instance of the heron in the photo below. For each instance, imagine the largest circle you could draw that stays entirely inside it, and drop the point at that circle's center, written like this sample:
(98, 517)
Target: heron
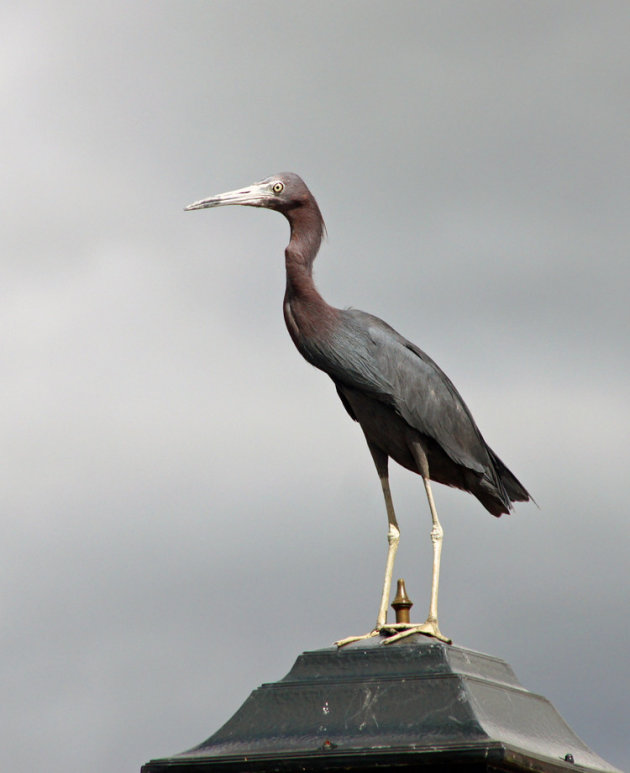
(407, 407)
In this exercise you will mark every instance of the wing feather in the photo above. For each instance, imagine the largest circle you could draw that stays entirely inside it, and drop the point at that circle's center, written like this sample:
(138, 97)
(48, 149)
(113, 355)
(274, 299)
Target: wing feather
(365, 353)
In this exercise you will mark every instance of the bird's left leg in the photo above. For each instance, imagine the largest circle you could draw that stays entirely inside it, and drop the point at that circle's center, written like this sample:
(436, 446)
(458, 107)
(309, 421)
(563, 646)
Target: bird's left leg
(393, 538)
(430, 626)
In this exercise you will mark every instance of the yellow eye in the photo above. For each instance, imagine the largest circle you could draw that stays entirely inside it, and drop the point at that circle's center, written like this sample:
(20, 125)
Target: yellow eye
(278, 187)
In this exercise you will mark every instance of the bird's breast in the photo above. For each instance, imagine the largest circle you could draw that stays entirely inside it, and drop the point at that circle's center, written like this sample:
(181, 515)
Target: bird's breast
(311, 326)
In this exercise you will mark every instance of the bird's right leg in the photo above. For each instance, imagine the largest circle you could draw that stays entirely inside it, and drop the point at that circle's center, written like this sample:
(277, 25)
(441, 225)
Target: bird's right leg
(393, 538)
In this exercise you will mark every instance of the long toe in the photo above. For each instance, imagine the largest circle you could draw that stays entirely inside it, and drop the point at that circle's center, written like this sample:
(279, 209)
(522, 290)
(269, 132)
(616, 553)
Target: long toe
(350, 639)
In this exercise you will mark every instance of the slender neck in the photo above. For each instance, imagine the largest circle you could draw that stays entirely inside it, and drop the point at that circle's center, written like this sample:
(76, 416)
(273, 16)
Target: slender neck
(306, 313)
(306, 236)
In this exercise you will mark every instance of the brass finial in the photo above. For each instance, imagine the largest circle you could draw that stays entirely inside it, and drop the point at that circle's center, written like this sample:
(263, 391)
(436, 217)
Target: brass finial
(402, 603)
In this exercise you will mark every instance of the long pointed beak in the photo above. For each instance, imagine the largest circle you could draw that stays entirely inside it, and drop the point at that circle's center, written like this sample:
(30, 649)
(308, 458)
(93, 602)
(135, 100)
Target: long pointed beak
(254, 196)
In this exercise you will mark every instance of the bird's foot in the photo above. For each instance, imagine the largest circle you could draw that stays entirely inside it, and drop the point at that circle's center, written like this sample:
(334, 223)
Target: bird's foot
(397, 631)
(350, 639)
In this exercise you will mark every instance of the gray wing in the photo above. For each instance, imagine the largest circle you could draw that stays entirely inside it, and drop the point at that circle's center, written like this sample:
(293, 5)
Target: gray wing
(367, 354)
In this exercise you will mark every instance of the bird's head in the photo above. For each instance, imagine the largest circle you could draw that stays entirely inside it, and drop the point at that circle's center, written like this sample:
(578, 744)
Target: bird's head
(282, 192)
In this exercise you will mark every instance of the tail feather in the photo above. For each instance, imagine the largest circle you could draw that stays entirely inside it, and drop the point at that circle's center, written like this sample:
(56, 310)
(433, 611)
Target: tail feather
(497, 490)
(513, 487)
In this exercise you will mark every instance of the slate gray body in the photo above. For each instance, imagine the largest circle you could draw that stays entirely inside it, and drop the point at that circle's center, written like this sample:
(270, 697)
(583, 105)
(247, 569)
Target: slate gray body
(393, 389)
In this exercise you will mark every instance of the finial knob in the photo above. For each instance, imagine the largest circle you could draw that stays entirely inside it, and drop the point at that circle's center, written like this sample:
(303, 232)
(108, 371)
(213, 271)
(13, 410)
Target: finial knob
(402, 603)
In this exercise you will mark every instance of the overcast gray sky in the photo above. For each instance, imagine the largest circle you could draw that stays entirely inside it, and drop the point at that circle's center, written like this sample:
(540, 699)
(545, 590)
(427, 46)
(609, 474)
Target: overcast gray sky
(186, 505)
